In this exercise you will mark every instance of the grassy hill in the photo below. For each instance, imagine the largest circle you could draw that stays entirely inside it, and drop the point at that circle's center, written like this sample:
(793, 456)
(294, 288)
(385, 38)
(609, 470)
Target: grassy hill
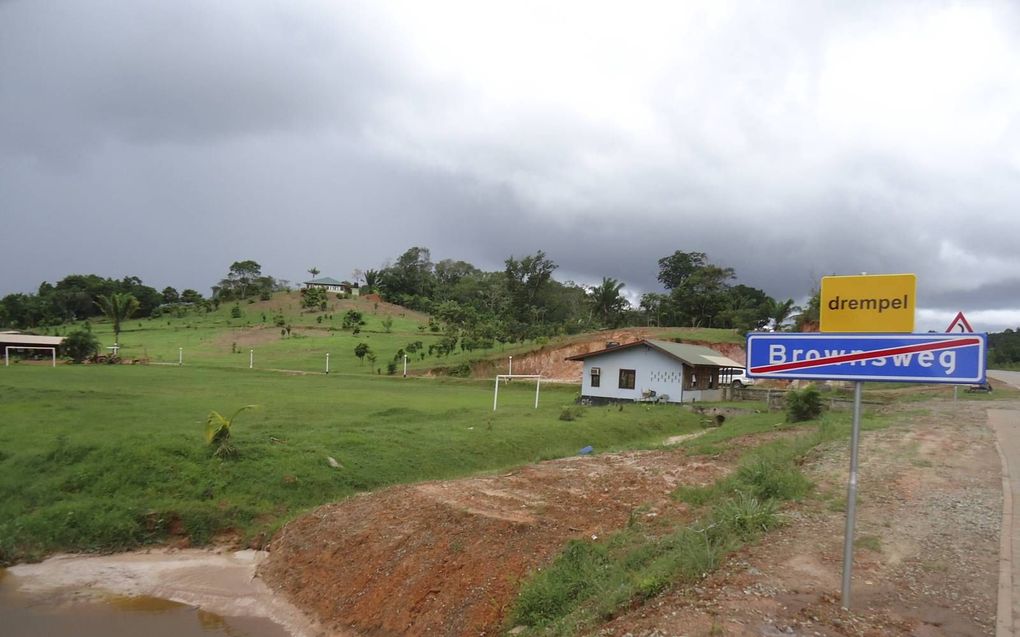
(221, 340)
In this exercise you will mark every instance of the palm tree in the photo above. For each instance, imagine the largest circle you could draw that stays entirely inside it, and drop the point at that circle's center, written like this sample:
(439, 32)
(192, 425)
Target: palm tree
(217, 432)
(314, 271)
(780, 311)
(371, 280)
(117, 307)
(606, 300)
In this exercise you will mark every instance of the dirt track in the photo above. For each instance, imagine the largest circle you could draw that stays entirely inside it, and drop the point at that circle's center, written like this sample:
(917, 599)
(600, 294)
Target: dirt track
(446, 557)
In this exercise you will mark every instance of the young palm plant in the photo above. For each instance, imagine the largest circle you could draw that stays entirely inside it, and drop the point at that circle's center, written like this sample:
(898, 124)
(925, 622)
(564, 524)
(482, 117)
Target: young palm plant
(217, 432)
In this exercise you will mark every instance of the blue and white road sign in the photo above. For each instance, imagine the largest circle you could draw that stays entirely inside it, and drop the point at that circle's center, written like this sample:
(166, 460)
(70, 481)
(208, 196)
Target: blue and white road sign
(922, 358)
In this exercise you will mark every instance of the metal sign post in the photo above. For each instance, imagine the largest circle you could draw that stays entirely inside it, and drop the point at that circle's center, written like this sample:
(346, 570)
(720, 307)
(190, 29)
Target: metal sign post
(851, 498)
(912, 358)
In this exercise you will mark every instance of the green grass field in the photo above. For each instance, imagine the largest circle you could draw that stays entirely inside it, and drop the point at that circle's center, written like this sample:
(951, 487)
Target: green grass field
(98, 457)
(218, 339)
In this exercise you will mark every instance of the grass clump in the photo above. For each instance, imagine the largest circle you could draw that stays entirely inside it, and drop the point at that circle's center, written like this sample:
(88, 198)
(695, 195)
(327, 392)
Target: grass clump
(571, 413)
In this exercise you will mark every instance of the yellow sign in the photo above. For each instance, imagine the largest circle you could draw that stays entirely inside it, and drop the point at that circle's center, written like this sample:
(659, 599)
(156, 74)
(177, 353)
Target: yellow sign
(868, 303)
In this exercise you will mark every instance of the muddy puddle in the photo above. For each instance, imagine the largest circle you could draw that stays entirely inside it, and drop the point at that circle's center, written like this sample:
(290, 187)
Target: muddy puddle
(74, 614)
(151, 593)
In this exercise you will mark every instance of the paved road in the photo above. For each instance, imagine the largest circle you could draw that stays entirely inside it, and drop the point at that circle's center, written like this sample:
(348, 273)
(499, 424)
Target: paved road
(1013, 378)
(1006, 424)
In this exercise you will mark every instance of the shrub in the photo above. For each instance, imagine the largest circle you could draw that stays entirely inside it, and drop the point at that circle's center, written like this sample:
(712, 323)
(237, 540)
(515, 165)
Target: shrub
(802, 405)
(235, 312)
(391, 368)
(81, 344)
(571, 412)
(352, 319)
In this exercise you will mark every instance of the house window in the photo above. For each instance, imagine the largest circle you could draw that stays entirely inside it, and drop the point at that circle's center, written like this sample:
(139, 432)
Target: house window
(627, 378)
(596, 376)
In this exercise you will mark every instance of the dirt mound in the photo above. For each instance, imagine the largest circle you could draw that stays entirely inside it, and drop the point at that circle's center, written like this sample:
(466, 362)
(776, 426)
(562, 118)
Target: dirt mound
(447, 557)
(550, 361)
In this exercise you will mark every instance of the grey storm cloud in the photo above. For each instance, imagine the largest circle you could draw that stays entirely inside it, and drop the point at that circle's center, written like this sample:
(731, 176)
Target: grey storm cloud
(788, 141)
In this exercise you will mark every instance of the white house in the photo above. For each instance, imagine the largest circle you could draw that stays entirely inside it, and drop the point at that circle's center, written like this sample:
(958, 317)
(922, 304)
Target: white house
(652, 370)
(332, 285)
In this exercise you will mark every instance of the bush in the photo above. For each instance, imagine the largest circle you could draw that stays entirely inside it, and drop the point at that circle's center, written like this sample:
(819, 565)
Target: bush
(391, 368)
(571, 413)
(802, 405)
(81, 344)
(352, 319)
(235, 312)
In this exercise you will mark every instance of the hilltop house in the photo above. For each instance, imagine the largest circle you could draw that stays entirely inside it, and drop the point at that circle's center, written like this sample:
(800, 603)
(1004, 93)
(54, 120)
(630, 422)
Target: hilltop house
(332, 285)
(652, 370)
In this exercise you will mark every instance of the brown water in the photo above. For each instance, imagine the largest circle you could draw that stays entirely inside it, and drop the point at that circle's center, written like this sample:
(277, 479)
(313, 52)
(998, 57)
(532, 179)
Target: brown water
(59, 616)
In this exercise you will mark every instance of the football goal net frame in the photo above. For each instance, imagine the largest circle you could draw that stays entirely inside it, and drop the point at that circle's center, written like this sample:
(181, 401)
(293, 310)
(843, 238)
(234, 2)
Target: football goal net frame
(8, 348)
(506, 377)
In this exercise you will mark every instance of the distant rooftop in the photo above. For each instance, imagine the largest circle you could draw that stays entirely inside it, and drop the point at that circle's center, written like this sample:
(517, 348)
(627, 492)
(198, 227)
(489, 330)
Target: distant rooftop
(323, 281)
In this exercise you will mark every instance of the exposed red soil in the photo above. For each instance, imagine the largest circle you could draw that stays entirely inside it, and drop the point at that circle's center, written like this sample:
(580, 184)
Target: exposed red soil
(447, 557)
(550, 360)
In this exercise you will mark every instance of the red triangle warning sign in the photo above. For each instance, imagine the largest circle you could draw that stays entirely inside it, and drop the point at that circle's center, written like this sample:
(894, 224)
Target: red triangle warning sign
(959, 324)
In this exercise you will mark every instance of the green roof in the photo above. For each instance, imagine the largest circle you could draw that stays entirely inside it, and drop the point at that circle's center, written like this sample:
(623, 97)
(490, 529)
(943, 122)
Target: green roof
(683, 352)
(323, 281)
(693, 354)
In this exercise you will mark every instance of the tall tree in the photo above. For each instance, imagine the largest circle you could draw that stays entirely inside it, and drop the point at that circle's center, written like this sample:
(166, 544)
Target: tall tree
(240, 281)
(314, 271)
(697, 288)
(746, 308)
(410, 280)
(117, 307)
(526, 278)
(677, 269)
(607, 302)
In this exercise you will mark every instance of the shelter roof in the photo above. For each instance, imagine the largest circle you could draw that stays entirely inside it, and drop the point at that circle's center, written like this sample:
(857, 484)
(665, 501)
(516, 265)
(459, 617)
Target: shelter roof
(14, 340)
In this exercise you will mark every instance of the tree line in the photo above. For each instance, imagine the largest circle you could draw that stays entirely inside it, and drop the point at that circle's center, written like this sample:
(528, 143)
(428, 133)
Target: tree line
(79, 297)
(525, 301)
(1004, 347)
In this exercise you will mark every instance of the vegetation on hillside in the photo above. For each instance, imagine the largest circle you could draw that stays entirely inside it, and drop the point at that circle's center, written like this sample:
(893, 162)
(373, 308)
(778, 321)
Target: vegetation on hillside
(525, 301)
(470, 308)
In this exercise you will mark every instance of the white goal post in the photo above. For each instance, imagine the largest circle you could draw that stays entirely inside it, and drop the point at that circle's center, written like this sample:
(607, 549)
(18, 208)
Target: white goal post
(499, 377)
(8, 348)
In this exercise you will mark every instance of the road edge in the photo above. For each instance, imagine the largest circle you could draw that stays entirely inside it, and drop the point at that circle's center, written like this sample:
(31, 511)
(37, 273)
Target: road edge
(1004, 605)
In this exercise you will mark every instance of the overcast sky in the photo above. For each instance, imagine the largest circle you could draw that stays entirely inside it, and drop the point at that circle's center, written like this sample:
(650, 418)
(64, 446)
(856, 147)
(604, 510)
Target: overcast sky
(787, 140)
